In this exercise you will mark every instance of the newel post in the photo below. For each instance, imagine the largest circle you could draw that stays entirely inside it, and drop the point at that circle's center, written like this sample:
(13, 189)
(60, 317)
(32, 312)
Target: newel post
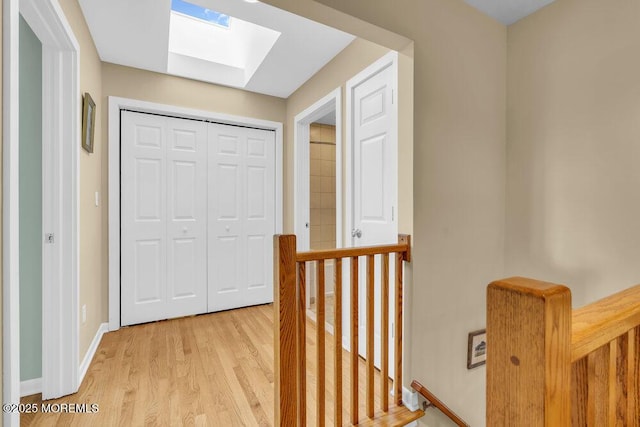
(528, 353)
(285, 353)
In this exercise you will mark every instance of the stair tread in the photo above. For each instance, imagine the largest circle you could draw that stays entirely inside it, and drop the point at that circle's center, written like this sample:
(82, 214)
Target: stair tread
(396, 417)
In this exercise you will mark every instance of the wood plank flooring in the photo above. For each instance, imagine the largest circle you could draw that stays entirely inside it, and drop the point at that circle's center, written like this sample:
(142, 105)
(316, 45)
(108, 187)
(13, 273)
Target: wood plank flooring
(208, 370)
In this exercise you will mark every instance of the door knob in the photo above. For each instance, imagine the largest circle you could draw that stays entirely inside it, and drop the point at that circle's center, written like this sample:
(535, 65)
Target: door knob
(356, 232)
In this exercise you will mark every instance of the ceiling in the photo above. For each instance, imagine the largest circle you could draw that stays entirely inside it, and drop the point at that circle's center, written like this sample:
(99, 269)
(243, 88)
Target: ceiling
(328, 119)
(137, 34)
(508, 11)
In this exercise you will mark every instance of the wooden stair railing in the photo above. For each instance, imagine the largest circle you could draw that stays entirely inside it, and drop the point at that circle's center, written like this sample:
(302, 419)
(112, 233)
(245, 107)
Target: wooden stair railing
(290, 337)
(549, 365)
(434, 401)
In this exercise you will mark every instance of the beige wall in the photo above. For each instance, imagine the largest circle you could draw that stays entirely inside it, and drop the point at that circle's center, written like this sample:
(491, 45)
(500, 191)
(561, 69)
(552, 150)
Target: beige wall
(573, 132)
(153, 87)
(93, 242)
(458, 177)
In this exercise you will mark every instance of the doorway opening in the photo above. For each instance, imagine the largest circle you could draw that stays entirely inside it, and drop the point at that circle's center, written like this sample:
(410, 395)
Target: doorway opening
(318, 185)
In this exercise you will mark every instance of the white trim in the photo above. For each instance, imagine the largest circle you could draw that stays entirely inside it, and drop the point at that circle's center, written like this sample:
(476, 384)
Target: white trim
(60, 161)
(115, 105)
(61, 136)
(31, 387)
(388, 60)
(410, 399)
(301, 122)
(10, 221)
(301, 148)
(93, 348)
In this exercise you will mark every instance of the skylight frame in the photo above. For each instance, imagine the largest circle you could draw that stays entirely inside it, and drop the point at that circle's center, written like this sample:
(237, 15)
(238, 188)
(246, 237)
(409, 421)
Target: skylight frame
(197, 12)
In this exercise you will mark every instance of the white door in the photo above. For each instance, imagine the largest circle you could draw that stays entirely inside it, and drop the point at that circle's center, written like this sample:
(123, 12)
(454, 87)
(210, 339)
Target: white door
(163, 217)
(241, 216)
(374, 178)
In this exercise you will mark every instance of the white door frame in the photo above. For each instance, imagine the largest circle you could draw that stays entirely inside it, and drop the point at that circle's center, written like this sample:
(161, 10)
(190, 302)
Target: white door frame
(115, 105)
(301, 137)
(388, 60)
(61, 141)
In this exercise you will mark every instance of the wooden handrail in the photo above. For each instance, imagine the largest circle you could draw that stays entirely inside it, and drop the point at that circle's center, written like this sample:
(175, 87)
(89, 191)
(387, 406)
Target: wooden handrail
(601, 322)
(438, 403)
(403, 247)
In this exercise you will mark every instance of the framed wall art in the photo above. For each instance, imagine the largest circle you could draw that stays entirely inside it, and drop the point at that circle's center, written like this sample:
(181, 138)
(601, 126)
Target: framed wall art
(88, 122)
(477, 349)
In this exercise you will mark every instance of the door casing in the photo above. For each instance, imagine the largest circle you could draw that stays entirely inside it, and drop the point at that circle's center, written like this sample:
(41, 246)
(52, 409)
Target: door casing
(301, 190)
(61, 142)
(330, 102)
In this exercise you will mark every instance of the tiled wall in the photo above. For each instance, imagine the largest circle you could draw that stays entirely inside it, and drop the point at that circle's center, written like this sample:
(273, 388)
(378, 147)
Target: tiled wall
(323, 186)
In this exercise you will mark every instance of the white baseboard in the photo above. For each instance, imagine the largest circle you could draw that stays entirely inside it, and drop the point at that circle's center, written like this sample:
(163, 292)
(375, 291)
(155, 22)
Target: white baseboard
(411, 402)
(29, 387)
(84, 366)
(410, 399)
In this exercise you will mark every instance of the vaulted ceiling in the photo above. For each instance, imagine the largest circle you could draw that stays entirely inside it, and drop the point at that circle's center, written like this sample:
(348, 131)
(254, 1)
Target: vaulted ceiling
(281, 50)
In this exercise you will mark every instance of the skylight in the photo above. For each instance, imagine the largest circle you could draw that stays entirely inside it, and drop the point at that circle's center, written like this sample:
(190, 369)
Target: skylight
(226, 54)
(200, 13)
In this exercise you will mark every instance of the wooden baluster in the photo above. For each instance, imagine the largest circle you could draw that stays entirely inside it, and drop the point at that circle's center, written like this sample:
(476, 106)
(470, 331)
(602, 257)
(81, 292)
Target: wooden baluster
(354, 340)
(286, 400)
(320, 334)
(618, 374)
(598, 398)
(302, 344)
(384, 331)
(397, 377)
(337, 335)
(633, 380)
(529, 355)
(370, 335)
(579, 392)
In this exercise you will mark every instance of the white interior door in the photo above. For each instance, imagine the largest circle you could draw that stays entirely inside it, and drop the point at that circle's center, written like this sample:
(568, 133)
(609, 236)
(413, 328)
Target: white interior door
(374, 136)
(241, 216)
(163, 217)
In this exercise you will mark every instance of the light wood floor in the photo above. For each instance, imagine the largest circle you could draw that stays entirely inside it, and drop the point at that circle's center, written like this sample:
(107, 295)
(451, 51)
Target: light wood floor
(329, 311)
(208, 370)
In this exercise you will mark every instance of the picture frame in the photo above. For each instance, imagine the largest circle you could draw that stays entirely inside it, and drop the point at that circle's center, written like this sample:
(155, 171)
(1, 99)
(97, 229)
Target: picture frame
(477, 349)
(88, 122)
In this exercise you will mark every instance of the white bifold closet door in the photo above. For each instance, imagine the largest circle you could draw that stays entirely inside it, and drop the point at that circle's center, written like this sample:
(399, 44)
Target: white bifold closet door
(197, 217)
(241, 216)
(163, 217)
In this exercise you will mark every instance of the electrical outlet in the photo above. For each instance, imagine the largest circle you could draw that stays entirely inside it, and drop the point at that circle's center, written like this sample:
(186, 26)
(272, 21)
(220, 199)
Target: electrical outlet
(97, 199)
(84, 313)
